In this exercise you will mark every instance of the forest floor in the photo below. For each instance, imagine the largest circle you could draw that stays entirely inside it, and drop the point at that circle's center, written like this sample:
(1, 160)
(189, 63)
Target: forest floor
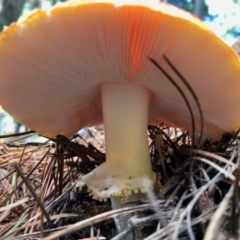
(197, 195)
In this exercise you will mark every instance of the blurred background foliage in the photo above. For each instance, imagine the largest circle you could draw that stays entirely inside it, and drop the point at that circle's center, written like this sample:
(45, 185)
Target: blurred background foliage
(222, 16)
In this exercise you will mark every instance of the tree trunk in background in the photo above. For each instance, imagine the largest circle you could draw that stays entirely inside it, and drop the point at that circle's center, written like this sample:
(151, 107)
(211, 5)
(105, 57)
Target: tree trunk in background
(11, 11)
(53, 2)
(198, 8)
(34, 4)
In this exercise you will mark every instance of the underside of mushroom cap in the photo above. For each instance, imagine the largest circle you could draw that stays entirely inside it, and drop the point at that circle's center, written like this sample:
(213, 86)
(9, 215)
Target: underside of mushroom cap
(52, 63)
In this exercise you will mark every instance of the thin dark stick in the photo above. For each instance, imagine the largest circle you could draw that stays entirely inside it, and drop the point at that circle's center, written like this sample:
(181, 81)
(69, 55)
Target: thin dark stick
(28, 144)
(33, 193)
(193, 95)
(16, 134)
(182, 94)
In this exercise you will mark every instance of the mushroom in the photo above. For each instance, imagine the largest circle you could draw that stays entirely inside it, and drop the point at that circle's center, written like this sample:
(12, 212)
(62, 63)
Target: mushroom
(87, 62)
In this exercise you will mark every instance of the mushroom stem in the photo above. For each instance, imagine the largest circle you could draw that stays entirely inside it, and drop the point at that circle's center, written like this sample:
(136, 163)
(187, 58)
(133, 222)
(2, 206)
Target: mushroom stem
(125, 117)
(128, 167)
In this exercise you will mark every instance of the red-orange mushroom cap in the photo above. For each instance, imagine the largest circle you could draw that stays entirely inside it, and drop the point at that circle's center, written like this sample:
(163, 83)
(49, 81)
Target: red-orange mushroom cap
(55, 62)
(87, 62)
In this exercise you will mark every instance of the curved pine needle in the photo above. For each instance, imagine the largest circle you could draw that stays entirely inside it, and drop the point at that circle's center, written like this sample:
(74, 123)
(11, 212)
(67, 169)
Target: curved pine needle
(182, 94)
(191, 90)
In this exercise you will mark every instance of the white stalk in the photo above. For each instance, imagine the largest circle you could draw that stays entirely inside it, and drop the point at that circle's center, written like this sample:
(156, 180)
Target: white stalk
(128, 167)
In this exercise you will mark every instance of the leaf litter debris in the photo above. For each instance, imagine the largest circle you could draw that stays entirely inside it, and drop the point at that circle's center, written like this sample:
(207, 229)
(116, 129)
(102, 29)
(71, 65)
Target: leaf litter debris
(196, 194)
